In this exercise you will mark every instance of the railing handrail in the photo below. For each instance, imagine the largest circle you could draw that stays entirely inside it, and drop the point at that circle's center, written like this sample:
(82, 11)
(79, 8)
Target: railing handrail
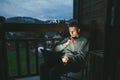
(20, 27)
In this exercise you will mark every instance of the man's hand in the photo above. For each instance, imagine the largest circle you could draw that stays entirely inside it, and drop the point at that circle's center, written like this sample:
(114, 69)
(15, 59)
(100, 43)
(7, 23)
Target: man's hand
(65, 59)
(69, 42)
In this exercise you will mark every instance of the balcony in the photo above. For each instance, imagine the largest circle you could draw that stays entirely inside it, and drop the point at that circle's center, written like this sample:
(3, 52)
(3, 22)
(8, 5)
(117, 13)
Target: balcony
(17, 58)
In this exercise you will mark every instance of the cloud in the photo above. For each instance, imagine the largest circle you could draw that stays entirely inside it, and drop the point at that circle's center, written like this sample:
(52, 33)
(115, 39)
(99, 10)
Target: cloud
(41, 9)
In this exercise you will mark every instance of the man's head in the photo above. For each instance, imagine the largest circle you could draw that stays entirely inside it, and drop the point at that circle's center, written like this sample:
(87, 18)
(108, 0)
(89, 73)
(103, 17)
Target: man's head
(74, 29)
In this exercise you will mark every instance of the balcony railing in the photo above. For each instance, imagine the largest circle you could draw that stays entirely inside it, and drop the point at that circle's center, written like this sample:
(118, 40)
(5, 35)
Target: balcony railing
(17, 50)
(24, 57)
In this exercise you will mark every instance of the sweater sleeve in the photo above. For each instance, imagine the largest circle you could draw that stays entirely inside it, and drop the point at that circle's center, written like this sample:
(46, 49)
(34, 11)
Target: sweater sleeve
(61, 46)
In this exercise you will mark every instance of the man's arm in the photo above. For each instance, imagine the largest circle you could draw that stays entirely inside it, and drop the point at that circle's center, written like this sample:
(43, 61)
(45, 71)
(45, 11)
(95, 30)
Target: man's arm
(63, 44)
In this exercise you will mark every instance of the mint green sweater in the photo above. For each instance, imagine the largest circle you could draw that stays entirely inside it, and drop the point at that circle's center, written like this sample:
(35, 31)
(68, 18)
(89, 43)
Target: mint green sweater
(76, 51)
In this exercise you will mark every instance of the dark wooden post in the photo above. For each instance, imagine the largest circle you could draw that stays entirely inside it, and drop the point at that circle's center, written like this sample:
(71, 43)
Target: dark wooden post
(115, 42)
(3, 53)
(112, 42)
(75, 9)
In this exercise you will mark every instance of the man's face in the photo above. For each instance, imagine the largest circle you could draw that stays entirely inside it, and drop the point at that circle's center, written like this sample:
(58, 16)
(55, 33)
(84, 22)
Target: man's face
(74, 31)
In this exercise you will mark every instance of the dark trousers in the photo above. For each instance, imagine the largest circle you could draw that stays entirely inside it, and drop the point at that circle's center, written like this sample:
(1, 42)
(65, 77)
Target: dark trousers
(50, 72)
(53, 67)
(53, 72)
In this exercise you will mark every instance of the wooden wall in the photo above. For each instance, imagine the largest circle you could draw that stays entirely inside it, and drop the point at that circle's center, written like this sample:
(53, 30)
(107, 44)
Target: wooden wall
(92, 13)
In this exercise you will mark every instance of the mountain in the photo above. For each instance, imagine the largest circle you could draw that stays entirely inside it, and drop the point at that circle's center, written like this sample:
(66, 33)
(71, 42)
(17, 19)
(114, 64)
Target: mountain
(20, 19)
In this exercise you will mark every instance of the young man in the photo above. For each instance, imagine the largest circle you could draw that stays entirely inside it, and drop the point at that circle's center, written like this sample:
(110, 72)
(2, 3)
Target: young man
(73, 49)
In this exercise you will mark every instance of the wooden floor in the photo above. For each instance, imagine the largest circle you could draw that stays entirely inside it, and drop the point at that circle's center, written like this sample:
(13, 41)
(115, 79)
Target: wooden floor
(38, 77)
(30, 78)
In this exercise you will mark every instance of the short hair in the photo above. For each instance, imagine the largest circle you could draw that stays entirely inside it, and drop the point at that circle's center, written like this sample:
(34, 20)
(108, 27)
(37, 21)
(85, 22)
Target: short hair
(73, 23)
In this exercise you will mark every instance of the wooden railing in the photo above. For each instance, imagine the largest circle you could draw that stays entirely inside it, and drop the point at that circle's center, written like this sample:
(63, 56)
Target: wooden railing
(28, 45)
(17, 44)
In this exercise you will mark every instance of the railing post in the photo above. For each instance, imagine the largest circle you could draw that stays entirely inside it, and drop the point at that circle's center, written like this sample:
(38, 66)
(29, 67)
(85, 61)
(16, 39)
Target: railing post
(3, 53)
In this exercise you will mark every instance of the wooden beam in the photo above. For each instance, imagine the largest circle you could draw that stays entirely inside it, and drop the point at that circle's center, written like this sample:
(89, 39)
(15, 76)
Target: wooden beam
(18, 27)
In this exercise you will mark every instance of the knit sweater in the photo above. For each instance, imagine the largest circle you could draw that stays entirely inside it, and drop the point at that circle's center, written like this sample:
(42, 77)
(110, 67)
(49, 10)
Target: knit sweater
(75, 51)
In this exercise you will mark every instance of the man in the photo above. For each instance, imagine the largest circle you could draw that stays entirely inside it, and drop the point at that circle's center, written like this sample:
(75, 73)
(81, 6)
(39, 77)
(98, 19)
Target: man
(73, 49)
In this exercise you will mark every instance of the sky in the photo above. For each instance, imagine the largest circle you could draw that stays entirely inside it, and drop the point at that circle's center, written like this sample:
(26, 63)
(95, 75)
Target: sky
(40, 9)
